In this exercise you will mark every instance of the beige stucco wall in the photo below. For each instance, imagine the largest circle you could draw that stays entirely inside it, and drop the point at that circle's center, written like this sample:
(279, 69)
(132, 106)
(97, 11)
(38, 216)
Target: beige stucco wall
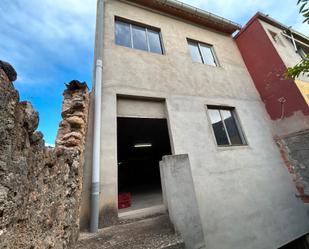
(140, 108)
(237, 188)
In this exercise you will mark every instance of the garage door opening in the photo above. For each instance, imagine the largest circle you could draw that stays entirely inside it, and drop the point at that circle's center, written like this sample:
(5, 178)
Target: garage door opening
(300, 243)
(142, 142)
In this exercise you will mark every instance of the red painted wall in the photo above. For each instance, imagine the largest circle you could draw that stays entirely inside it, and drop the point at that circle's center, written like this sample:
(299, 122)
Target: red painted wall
(266, 69)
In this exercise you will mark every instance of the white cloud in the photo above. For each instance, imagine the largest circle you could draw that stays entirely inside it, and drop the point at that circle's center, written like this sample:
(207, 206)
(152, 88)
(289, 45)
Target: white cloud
(50, 145)
(46, 35)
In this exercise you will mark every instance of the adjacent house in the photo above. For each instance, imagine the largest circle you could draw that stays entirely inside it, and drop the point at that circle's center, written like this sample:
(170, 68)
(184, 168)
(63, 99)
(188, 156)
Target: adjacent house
(174, 83)
(268, 49)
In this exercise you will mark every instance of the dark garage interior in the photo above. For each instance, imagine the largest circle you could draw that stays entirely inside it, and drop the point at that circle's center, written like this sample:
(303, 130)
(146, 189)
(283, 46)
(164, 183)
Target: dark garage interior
(142, 142)
(300, 243)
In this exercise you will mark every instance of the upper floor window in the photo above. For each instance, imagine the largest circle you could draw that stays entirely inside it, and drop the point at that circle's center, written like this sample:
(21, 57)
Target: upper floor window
(276, 37)
(138, 37)
(203, 53)
(226, 126)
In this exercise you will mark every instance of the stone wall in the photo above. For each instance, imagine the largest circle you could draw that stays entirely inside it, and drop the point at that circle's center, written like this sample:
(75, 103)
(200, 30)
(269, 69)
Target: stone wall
(40, 187)
(294, 150)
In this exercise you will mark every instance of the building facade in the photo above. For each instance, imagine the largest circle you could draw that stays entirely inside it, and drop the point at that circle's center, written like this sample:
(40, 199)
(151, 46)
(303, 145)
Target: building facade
(174, 82)
(269, 48)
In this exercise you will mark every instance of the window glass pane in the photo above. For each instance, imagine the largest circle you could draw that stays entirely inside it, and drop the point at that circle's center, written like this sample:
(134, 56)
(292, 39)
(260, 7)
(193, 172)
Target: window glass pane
(139, 38)
(123, 36)
(218, 127)
(195, 54)
(302, 53)
(231, 127)
(208, 56)
(154, 41)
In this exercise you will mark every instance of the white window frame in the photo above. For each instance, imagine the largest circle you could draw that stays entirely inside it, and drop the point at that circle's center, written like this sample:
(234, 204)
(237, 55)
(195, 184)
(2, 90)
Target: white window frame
(211, 47)
(237, 122)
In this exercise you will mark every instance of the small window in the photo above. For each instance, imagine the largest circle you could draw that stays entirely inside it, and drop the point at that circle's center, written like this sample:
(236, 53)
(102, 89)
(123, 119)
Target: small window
(138, 37)
(226, 126)
(203, 53)
(276, 37)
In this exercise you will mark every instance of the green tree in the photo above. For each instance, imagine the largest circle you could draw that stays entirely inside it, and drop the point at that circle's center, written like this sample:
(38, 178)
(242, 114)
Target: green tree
(303, 66)
(304, 10)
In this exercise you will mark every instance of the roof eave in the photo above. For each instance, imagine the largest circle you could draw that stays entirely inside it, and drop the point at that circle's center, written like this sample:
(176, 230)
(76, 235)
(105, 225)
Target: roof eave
(190, 13)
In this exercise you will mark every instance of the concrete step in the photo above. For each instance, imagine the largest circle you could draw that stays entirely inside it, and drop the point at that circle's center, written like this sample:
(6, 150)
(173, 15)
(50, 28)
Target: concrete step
(150, 233)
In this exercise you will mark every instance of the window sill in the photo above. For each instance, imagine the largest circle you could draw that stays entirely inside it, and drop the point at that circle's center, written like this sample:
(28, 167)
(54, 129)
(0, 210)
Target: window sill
(232, 147)
(208, 65)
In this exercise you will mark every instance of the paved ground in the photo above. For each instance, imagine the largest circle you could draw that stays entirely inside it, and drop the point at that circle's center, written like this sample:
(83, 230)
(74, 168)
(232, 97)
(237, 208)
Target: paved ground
(151, 233)
(144, 199)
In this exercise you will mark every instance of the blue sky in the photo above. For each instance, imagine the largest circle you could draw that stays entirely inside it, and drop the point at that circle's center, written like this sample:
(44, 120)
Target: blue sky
(51, 42)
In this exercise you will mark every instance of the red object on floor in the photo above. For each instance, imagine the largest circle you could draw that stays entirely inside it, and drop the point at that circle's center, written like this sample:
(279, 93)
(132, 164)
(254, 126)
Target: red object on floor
(124, 200)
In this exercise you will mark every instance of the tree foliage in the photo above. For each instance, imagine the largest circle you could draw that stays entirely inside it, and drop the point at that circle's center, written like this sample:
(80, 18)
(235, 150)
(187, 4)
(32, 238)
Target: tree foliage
(304, 9)
(303, 66)
(299, 69)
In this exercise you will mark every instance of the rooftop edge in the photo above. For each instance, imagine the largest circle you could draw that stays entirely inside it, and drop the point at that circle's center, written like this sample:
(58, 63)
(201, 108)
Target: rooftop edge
(191, 13)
